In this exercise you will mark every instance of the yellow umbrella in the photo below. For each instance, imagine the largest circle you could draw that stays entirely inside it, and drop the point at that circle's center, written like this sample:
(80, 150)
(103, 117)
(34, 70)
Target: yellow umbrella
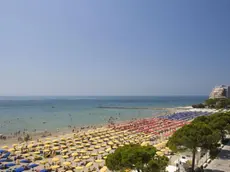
(67, 163)
(103, 169)
(103, 145)
(63, 139)
(55, 141)
(26, 155)
(89, 164)
(37, 152)
(63, 146)
(159, 153)
(46, 150)
(55, 148)
(110, 143)
(14, 145)
(75, 154)
(105, 157)
(94, 154)
(94, 143)
(31, 145)
(87, 145)
(48, 142)
(101, 152)
(55, 159)
(65, 156)
(82, 151)
(78, 143)
(54, 167)
(79, 168)
(11, 150)
(85, 157)
(73, 149)
(90, 149)
(43, 162)
(107, 150)
(5, 147)
(99, 161)
(77, 160)
(97, 147)
(64, 151)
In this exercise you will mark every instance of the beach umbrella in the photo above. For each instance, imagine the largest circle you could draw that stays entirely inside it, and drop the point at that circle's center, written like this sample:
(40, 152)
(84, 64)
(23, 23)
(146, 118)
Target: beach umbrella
(73, 149)
(43, 162)
(79, 168)
(64, 151)
(65, 156)
(25, 161)
(94, 154)
(11, 150)
(32, 165)
(109, 149)
(63, 139)
(90, 149)
(99, 161)
(37, 152)
(46, 150)
(55, 148)
(55, 141)
(20, 169)
(103, 169)
(77, 160)
(75, 154)
(101, 152)
(26, 155)
(6, 155)
(97, 147)
(85, 157)
(10, 165)
(44, 170)
(54, 167)
(159, 153)
(103, 145)
(105, 157)
(67, 163)
(55, 159)
(2, 151)
(82, 151)
(89, 164)
(5, 147)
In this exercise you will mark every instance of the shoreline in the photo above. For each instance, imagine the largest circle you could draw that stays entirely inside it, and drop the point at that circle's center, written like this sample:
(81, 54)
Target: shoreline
(42, 135)
(11, 139)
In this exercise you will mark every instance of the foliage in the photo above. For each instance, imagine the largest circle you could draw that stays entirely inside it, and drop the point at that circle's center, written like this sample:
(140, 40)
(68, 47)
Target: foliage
(198, 105)
(136, 157)
(191, 137)
(218, 103)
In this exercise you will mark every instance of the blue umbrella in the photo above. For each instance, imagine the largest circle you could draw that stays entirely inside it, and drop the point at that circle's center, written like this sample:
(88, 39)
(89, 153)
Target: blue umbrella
(10, 164)
(3, 160)
(6, 155)
(25, 161)
(20, 169)
(32, 165)
(2, 151)
(44, 170)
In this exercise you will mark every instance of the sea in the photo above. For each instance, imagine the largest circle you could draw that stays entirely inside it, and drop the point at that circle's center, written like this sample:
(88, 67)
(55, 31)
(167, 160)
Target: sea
(52, 113)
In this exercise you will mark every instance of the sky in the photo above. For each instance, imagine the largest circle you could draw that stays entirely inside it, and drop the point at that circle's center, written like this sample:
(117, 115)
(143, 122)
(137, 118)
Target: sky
(113, 47)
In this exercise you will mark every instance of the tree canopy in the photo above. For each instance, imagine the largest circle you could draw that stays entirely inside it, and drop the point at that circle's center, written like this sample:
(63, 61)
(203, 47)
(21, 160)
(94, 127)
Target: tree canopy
(140, 158)
(191, 137)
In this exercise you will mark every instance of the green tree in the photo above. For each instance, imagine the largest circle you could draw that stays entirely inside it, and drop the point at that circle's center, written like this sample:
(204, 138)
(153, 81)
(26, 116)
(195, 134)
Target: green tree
(136, 157)
(211, 102)
(191, 137)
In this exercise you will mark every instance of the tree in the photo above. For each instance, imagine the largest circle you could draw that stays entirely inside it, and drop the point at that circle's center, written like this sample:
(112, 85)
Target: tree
(191, 137)
(211, 102)
(136, 157)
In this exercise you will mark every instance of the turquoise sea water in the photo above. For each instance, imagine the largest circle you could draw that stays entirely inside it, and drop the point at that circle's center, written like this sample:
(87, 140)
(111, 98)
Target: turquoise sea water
(18, 113)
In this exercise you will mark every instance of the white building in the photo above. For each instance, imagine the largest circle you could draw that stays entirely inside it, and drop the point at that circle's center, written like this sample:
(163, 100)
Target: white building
(221, 91)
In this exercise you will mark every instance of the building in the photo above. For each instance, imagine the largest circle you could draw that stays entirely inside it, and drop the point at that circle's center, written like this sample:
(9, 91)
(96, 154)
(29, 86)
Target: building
(221, 91)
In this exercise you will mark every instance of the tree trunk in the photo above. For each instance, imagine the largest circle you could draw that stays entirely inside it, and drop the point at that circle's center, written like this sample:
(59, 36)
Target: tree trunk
(193, 159)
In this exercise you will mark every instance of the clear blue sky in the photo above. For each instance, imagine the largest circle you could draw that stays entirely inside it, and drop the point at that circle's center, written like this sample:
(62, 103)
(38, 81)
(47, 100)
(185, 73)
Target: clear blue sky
(114, 47)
